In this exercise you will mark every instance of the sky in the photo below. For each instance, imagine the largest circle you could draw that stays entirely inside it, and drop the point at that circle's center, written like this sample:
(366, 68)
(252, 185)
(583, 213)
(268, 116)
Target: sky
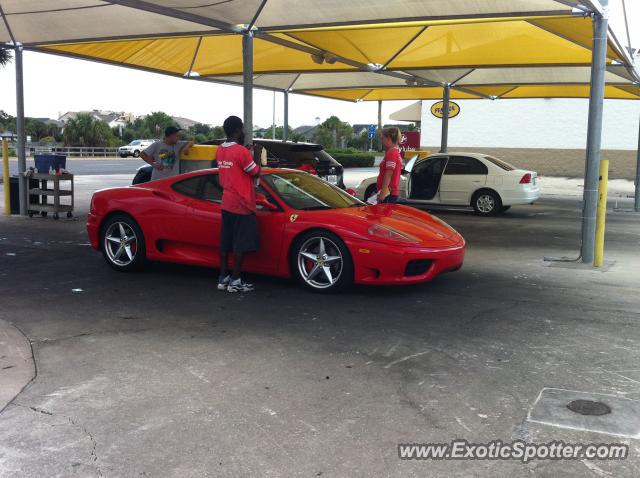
(54, 85)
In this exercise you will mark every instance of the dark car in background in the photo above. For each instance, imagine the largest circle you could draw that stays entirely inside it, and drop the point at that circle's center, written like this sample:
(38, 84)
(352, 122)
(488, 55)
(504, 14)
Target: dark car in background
(282, 154)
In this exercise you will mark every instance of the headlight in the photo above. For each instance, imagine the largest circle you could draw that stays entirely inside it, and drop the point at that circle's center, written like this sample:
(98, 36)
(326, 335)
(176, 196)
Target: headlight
(390, 234)
(440, 221)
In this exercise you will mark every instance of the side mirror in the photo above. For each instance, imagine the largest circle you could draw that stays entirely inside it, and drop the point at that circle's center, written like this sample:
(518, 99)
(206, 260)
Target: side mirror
(261, 200)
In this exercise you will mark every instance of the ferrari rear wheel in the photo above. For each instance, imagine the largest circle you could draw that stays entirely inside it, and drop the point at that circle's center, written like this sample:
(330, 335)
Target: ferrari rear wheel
(122, 243)
(322, 262)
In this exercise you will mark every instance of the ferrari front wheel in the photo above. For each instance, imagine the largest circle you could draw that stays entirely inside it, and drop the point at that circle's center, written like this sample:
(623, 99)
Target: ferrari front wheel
(321, 262)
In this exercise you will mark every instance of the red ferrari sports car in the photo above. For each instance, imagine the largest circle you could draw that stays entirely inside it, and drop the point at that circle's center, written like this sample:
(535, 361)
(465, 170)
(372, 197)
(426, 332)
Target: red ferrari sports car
(309, 229)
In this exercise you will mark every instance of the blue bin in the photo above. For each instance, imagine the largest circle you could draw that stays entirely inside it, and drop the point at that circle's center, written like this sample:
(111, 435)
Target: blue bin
(46, 162)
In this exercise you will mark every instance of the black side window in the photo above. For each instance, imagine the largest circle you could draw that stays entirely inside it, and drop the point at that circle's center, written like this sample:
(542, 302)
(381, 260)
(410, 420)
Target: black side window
(431, 166)
(188, 187)
(211, 189)
(465, 165)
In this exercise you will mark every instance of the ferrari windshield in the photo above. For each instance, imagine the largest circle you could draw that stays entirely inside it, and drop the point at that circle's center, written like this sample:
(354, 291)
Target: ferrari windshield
(307, 192)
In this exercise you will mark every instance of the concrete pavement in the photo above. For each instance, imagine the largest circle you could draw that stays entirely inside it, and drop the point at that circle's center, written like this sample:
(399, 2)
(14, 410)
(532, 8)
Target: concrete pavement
(17, 367)
(158, 374)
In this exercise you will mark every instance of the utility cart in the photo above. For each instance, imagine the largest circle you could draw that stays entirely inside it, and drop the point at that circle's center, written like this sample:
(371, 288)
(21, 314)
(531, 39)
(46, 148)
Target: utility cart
(45, 197)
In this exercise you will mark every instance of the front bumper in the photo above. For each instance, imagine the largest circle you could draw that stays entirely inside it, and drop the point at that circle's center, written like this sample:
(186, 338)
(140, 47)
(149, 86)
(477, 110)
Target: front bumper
(93, 230)
(381, 264)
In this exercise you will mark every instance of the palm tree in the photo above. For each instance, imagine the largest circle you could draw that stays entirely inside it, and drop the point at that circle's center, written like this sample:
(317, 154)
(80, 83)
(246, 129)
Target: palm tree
(5, 56)
(84, 130)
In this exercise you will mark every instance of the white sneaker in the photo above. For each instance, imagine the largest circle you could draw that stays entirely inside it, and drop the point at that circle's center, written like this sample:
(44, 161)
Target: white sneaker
(239, 286)
(223, 283)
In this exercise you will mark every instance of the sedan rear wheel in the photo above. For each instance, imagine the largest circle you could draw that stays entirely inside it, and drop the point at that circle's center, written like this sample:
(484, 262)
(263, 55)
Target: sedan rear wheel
(486, 203)
(123, 243)
(322, 262)
(371, 191)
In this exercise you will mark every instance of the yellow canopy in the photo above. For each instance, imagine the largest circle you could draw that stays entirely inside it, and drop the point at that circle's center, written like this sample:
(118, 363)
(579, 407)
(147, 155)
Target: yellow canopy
(33, 22)
(535, 56)
(620, 92)
(455, 44)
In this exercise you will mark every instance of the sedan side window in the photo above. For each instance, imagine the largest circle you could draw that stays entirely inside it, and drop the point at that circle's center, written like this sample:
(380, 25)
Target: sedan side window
(459, 165)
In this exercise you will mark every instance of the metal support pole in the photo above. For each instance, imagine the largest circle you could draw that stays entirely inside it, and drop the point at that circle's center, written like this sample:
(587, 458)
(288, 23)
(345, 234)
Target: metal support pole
(273, 121)
(247, 77)
(380, 125)
(594, 134)
(6, 181)
(444, 139)
(637, 200)
(285, 132)
(20, 147)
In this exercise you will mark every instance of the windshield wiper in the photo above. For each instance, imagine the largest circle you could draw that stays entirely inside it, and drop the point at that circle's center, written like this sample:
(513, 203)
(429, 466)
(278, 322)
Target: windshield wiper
(315, 208)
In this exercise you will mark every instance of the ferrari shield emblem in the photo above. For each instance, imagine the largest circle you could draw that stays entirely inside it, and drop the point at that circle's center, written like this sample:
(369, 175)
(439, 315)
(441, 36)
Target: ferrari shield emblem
(293, 217)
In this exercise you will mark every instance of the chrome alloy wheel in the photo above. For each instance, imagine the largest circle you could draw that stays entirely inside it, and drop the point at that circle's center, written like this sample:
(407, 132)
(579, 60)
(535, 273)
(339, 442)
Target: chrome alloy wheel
(120, 243)
(320, 262)
(485, 203)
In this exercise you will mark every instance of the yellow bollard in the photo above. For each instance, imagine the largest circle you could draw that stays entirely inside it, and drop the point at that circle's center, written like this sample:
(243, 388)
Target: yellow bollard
(5, 177)
(598, 257)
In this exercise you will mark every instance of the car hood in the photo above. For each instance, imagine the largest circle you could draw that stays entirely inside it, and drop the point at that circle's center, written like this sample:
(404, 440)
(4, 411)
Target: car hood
(428, 229)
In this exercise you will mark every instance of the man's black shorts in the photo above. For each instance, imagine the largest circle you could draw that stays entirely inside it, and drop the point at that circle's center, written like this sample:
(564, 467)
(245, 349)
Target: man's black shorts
(239, 232)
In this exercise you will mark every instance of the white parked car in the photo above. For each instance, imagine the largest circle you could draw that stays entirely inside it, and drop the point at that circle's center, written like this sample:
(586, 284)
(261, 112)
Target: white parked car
(487, 184)
(135, 147)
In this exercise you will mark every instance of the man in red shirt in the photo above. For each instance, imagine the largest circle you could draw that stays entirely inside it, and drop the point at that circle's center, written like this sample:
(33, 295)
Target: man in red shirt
(239, 232)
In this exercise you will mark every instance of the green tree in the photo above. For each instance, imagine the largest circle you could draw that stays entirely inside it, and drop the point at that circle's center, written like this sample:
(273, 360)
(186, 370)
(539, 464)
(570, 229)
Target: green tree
(325, 137)
(85, 130)
(279, 132)
(154, 125)
(333, 132)
(5, 56)
(199, 128)
(217, 133)
(37, 129)
(7, 122)
(128, 134)
(359, 142)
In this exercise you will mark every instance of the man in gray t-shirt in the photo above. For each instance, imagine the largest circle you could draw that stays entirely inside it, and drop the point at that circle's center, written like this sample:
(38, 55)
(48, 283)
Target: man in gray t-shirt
(164, 155)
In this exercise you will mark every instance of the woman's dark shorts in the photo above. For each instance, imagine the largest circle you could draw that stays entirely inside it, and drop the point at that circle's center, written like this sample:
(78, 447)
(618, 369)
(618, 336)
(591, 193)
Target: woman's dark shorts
(239, 232)
(390, 199)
